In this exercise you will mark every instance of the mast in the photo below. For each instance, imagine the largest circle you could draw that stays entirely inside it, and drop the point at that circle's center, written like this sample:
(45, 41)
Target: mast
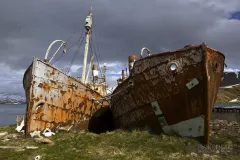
(88, 26)
(90, 66)
(104, 72)
(104, 77)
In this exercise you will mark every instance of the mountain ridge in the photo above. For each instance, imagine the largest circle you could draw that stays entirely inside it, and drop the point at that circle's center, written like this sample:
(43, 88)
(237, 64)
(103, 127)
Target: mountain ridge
(230, 78)
(11, 98)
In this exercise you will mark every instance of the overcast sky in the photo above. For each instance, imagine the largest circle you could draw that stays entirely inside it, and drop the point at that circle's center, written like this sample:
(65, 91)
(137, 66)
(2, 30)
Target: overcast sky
(120, 28)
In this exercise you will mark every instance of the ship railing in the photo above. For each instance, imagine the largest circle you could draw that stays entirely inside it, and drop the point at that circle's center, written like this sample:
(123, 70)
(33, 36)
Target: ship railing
(148, 51)
(63, 45)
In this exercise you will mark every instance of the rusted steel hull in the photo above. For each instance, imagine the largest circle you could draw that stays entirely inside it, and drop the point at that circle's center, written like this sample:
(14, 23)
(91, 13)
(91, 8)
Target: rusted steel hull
(56, 99)
(175, 102)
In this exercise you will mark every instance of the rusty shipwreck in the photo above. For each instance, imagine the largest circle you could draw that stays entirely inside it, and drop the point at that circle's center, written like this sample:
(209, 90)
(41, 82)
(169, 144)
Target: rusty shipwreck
(56, 99)
(172, 92)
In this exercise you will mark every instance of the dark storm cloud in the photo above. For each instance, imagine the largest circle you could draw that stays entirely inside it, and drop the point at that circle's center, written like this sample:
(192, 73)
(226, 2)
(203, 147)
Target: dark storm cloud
(120, 28)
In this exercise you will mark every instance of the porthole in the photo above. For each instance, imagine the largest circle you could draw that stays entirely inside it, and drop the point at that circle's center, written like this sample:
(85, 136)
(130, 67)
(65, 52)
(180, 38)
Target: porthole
(173, 67)
(216, 67)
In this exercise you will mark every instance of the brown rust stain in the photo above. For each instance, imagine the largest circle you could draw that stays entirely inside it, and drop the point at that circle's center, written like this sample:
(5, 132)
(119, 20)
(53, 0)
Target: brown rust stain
(214, 76)
(154, 81)
(65, 102)
(45, 86)
(65, 105)
(69, 100)
(52, 73)
(53, 82)
(63, 92)
(36, 99)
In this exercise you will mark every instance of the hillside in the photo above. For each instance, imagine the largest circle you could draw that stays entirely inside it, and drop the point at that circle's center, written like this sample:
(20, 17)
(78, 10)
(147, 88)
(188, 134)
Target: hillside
(229, 94)
(11, 98)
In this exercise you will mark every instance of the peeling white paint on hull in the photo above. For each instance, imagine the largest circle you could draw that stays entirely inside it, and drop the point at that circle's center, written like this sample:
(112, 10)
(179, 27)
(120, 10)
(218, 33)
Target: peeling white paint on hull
(56, 99)
(190, 128)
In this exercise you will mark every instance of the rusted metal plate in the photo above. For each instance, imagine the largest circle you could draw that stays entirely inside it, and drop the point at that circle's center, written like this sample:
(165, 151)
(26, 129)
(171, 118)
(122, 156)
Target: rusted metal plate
(54, 98)
(192, 83)
(184, 84)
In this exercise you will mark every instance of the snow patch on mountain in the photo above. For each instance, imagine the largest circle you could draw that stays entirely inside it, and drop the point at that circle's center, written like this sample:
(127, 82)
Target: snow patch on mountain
(235, 100)
(11, 98)
(230, 70)
(231, 86)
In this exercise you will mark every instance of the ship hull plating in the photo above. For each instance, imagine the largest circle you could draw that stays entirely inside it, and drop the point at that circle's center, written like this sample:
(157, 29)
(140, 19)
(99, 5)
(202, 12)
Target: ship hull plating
(55, 99)
(171, 93)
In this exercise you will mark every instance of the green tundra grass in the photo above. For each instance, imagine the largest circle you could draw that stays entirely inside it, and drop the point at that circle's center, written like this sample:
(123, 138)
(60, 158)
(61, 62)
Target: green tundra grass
(135, 145)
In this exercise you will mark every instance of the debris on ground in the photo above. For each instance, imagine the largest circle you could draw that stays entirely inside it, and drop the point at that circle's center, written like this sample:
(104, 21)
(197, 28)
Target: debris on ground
(64, 128)
(7, 137)
(18, 147)
(11, 136)
(223, 126)
(36, 134)
(43, 140)
(38, 157)
(3, 134)
(20, 128)
(48, 133)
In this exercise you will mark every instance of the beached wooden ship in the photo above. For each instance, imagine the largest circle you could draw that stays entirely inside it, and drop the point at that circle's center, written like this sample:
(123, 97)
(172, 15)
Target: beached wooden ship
(56, 99)
(172, 92)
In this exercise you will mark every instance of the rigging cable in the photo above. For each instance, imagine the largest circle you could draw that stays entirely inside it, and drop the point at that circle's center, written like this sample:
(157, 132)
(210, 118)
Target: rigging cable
(66, 51)
(74, 34)
(75, 54)
(69, 47)
(96, 56)
(95, 34)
